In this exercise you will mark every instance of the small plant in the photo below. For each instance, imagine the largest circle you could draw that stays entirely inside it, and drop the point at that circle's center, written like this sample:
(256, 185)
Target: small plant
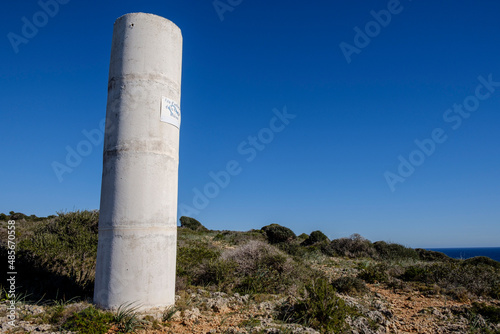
(251, 322)
(168, 313)
(319, 308)
(89, 321)
(375, 273)
(492, 313)
(126, 317)
(349, 285)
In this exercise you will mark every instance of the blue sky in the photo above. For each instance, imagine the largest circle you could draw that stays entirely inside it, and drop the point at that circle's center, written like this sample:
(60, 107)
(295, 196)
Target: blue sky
(346, 160)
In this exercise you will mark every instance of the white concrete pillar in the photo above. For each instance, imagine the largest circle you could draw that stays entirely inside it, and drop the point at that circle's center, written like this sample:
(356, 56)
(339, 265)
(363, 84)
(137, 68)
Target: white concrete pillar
(138, 215)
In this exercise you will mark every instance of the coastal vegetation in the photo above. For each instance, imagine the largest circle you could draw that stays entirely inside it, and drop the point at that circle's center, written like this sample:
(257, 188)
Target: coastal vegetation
(272, 278)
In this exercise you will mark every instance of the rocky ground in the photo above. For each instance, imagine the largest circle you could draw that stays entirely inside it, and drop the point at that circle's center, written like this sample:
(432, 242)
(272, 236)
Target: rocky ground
(382, 310)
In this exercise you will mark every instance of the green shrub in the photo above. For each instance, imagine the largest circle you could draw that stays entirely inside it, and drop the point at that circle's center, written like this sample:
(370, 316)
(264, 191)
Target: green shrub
(492, 313)
(276, 233)
(427, 255)
(89, 321)
(391, 251)
(480, 280)
(57, 256)
(354, 247)
(238, 238)
(302, 237)
(319, 308)
(255, 267)
(191, 258)
(350, 285)
(375, 273)
(315, 237)
(482, 260)
(192, 224)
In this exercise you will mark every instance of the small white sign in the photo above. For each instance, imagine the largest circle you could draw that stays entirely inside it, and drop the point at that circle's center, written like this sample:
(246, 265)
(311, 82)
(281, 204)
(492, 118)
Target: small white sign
(170, 112)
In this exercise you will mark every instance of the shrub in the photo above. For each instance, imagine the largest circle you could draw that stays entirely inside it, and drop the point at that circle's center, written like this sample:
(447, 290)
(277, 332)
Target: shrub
(492, 313)
(354, 247)
(192, 224)
(482, 260)
(276, 233)
(302, 236)
(262, 268)
(349, 285)
(238, 238)
(315, 237)
(57, 256)
(319, 308)
(427, 255)
(255, 267)
(375, 273)
(391, 251)
(192, 257)
(480, 280)
(89, 321)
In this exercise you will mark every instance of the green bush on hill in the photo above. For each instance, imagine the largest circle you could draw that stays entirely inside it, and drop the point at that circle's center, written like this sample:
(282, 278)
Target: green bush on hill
(277, 234)
(391, 251)
(192, 224)
(353, 247)
(319, 308)
(57, 256)
(315, 237)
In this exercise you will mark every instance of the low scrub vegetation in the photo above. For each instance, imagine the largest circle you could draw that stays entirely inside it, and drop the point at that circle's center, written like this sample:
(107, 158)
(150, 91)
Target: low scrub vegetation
(317, 307)
(57, 257)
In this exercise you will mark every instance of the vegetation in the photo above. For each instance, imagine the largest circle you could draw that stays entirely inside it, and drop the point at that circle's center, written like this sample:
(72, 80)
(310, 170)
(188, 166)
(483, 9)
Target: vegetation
(192, 224)
(278, 234)
(57, 257)
(315, 237)
(319, 307)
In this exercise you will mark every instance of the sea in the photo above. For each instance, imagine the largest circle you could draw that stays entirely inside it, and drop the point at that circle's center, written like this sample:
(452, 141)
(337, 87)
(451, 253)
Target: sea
(465, 253)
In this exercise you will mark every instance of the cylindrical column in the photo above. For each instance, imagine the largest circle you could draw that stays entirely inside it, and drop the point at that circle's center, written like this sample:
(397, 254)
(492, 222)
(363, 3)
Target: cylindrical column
(137, 224)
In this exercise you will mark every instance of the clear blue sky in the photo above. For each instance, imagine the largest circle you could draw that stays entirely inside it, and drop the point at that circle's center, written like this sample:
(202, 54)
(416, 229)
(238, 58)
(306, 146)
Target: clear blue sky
(328, 168)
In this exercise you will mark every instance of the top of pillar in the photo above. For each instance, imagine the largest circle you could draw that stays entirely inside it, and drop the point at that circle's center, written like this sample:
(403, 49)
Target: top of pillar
(143, 16)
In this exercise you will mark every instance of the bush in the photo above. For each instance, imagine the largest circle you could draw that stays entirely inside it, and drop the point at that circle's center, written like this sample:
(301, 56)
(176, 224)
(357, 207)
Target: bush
(89, 321)
(354, 247)
(482, 260)
(261, 267)
(255, 267)
(375, 273)
(315, 237)
(427, 255)
(320, 308)
(492, 313)
(192, 224)
(57, 256)
(350, 285)
(390, 251)
(480, 280)
(276, 233)
(192, 257)
(238, 238)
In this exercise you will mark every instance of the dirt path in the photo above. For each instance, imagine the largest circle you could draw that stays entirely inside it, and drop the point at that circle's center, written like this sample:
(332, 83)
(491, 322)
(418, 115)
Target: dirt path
(415, 313)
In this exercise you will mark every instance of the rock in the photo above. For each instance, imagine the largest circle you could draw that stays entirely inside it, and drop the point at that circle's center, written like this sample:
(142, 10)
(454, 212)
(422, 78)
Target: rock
(192, 314)
(219, 305)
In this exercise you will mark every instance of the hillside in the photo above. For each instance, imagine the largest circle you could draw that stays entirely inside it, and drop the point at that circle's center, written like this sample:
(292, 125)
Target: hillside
(266, 280)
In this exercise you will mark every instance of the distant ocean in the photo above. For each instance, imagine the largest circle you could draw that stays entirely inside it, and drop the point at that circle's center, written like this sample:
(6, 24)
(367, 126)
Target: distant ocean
(465, 253)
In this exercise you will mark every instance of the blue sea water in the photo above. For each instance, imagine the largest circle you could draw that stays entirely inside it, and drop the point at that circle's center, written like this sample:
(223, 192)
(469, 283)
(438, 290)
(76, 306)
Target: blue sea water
(465, 253)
